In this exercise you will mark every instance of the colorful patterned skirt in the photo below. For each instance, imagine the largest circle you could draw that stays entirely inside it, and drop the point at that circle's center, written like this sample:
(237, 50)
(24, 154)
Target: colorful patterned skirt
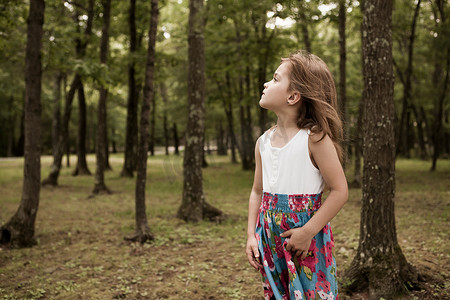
(286, 276)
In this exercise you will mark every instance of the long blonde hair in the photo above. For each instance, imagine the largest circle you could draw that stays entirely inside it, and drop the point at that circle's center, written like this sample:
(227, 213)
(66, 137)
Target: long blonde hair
(318, 112)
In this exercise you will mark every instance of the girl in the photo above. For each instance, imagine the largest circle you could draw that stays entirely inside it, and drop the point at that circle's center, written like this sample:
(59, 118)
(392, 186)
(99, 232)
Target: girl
(289, 235)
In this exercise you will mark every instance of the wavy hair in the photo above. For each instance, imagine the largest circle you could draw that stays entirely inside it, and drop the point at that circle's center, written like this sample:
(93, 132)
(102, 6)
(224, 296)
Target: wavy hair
(318, 112)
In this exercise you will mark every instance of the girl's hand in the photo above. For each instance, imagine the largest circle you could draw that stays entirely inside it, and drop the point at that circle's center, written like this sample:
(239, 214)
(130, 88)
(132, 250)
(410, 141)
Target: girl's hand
(253, 253)
(299, 241)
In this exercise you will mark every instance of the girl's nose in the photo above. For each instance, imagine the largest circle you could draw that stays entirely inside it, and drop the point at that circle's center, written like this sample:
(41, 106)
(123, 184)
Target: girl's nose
(265, 85)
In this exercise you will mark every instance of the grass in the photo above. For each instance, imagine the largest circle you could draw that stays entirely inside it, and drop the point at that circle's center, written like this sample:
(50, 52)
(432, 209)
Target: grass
(81, 253)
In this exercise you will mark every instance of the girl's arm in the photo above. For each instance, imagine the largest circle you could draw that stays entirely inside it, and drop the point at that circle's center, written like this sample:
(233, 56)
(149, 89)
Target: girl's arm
(324, 154)
(253, 210)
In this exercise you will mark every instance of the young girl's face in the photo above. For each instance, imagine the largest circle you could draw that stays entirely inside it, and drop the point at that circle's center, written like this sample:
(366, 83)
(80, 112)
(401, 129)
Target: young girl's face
(275, 93)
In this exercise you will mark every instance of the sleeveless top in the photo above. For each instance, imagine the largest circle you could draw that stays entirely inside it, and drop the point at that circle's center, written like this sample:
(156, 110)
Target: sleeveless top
(289, 169)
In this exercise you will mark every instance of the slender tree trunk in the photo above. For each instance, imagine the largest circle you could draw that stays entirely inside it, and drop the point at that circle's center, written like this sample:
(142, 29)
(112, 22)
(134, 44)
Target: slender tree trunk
(357, 182)
(420, 134)
(52, 178)
(342, 76)
(56, 122)
(63, 139)
(21, 141)
(440, 80)
(19, 230)
(113, 140)
(101, 149)
(163, 90)
(143, 233)
(152, 125)
(10, 125)
(176, 141)
(304, 25)
(131, 128)
(402, 133)
(379, 264)
(82, 167)
(194, 207)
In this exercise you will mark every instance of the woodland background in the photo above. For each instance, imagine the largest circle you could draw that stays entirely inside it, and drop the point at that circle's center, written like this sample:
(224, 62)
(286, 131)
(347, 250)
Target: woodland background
(102, 68)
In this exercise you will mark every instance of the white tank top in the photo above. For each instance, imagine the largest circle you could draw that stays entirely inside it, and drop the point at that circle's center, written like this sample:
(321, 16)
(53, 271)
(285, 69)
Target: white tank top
(289, 169)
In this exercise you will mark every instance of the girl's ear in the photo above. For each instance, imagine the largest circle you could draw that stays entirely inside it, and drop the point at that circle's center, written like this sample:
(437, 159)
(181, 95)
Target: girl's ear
(294, 98)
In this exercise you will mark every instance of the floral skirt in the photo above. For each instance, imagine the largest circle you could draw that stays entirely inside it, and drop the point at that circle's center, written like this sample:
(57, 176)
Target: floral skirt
(286, 276)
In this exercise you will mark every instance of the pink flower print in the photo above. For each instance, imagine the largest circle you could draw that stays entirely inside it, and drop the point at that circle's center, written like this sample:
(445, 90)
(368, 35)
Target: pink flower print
(278, 246)
(268, 258)
(327, 252)
(311, 259)
(295, 217)
(291, 266)
(309, 294)
(274, 201)
(298, 295)
(266, 228)
(284, 225)
(258, 237)
(265, 201)
(321, 276)
(284, 278)
(331, 236)
(324, 286)
(325, 229)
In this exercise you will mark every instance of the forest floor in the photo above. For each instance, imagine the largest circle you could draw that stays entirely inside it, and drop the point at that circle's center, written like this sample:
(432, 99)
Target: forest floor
(81, 253)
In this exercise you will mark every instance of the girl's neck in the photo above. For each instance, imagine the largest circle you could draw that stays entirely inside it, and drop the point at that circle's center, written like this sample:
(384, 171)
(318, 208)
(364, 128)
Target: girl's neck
(286, 124)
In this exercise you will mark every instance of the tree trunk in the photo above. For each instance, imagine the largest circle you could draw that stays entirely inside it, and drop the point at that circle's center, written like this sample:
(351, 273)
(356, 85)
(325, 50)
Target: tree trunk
(379, 264)
(56, 122)
(440, 82)
(342, 77)
(163, 90)
(131, 128)
(63, 139)
(151, 147)
(143, 233)
(194, 207)
(19, 230)
(52, 178)
(176, 141)
(21, 141)
(402, 133)
(420, 133)
(10, 125)
(82, 167)
(356, 183)
(304, 26)
(101, 149)
(221, 146)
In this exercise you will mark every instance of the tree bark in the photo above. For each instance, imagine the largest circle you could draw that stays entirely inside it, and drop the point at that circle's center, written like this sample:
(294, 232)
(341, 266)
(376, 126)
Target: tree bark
(342, 77)
(402, 132)
(101, 149)
(357, 182)
(194, 207)
(131, 128)
(379, 264)
(82, 167)
(63, 138)
(304, 26)
(56, 122)
(176, 141)
(19, 230)
(163, 90)
(143, 233)
(151, 147)
(440, 82)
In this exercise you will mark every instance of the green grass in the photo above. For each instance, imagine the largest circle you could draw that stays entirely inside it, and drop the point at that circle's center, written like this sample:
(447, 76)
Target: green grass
(81, 253)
